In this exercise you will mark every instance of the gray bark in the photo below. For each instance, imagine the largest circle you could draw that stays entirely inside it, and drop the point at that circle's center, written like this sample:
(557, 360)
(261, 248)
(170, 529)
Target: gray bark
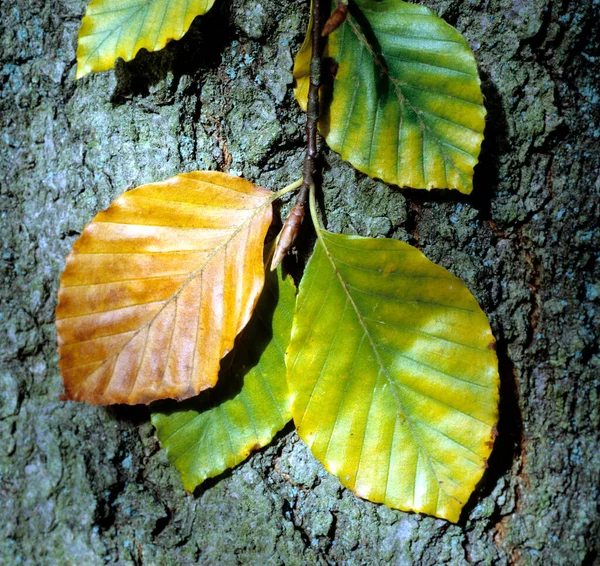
(89, 485)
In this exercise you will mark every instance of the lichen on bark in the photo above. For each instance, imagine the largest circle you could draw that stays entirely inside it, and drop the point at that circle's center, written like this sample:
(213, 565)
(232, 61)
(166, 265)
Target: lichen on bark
(82, 484)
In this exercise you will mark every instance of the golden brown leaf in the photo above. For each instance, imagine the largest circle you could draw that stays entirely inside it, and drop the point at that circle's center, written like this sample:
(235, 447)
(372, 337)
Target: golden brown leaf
(158, 286)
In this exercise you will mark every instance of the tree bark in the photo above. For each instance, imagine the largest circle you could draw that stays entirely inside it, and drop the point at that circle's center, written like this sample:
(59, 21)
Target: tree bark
(90, 485)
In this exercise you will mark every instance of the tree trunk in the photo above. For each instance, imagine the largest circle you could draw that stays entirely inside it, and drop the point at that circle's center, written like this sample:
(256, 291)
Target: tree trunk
(90, 485)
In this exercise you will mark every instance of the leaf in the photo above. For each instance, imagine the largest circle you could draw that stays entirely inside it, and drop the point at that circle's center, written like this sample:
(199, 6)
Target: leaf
(158, 286)
(206, 435)
(393, 374)
(120, 28)
(406, 104)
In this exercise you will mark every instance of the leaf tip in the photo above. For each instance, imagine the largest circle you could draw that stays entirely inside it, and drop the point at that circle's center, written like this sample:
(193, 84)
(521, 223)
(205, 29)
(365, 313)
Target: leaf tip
(83, 67)
(80, 73)
(277, 258)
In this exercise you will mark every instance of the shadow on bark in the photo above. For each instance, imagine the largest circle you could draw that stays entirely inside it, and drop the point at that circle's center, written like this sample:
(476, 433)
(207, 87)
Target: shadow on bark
(133, 415)
(495, 144)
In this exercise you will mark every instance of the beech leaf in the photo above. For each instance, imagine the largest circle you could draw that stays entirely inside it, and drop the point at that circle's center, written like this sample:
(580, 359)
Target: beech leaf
(158, 286)
(120, 28)
(406, 105)
(218, 429)
(393, 374)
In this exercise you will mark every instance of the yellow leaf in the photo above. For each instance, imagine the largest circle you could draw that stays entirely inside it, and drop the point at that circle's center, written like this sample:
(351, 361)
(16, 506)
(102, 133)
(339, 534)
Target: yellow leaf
(393, 374)
(120, 28)
(301, 70)
(406, 105)
(158, 286)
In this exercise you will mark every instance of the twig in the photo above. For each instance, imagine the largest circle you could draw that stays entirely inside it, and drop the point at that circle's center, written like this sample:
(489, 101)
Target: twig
(294, 220)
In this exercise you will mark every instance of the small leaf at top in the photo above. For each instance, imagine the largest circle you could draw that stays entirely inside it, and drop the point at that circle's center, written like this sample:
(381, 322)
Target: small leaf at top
(120, 28)
(158, 286)
(406, 105)
(393, 374)
(218, 429)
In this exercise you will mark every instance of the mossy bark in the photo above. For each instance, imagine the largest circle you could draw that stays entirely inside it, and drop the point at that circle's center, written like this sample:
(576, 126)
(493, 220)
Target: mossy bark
(89, 485)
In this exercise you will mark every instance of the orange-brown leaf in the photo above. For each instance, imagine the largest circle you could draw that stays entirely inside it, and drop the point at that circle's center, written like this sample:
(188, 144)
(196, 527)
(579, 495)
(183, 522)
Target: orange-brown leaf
(158, 286)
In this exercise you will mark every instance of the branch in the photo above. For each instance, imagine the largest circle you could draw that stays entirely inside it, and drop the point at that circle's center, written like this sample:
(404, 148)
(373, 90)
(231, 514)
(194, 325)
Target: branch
(294, 220)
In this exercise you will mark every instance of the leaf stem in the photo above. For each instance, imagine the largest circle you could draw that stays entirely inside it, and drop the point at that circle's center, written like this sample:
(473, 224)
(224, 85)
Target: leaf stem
(313, 211)
(291, 226)
(291, 187)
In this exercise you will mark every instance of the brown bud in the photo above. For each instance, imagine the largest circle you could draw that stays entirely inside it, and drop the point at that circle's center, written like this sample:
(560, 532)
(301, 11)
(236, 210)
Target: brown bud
(288, 234)
(337, 18)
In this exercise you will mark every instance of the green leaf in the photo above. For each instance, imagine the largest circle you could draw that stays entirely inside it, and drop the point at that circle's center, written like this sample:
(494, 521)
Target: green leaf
(120, 28)
(406, 104)
(217, 430)
(393, 374)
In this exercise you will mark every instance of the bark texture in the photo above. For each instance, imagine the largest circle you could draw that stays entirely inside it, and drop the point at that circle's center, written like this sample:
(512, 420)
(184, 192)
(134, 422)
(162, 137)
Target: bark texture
(88, 485)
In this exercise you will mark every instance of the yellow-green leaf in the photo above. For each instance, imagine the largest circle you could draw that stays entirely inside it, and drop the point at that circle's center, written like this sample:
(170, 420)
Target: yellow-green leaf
(406, 104)
(393, 374)
(120, 28)
(206, 435)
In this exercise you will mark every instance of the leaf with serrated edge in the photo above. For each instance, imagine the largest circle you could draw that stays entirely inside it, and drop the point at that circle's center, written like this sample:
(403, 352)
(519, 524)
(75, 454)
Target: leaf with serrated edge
(158, 286)
(393, 374)
(120, 28)
(406, 105)
(206, 435)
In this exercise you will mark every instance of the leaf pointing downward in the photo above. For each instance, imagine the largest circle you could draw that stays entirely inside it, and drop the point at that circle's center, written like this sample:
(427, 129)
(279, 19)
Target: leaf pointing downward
(406, 104)
(120, 28)
(158, 286)
(393, 375)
